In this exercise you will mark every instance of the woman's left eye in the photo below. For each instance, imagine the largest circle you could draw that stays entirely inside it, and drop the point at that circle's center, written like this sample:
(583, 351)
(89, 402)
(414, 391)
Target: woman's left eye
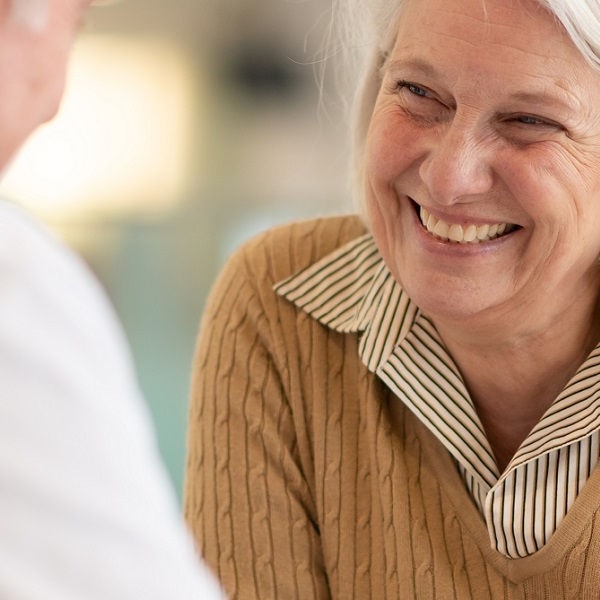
(524, 128)
(531, 120)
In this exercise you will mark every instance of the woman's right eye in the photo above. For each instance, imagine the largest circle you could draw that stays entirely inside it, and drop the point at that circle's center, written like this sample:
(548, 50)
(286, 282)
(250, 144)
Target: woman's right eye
(413, 88)
(418, 102)
(415, 101)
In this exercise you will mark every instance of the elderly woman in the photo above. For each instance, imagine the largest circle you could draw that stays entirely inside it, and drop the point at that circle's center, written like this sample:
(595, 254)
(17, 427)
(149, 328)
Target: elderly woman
(409, 406)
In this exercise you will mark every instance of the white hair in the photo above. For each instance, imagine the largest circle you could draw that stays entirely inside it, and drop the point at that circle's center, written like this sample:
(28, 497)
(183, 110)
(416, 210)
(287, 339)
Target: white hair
(366, 29)
(581, 20)
(32, 14)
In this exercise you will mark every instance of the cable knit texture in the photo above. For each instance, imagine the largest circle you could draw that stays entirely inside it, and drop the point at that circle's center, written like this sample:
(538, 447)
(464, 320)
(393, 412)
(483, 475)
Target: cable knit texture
(307, 478)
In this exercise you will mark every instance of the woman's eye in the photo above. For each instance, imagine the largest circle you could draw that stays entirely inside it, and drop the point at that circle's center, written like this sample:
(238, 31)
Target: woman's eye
(534, 124)
(524, 129)
(418, 102)
(529, 120)
(412, 88)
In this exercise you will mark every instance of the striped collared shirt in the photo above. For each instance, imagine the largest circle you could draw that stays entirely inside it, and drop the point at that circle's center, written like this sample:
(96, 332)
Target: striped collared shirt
(352, 291)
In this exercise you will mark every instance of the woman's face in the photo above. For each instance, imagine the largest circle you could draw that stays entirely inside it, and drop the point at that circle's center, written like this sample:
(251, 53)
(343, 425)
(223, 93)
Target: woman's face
(482, 163)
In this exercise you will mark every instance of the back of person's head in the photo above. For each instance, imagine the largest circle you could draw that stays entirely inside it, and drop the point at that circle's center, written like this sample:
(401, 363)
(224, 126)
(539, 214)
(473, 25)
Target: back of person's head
(36, 37)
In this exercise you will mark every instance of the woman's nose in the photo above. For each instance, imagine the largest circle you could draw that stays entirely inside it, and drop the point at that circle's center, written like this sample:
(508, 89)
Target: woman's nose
(456, 167)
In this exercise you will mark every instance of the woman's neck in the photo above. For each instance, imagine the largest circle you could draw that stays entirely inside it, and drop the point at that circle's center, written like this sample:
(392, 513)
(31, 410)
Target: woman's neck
(514, 377)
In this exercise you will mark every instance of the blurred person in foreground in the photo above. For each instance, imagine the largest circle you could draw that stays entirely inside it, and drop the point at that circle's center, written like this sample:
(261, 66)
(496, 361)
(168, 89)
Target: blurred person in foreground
(86, 510)
(407, 405)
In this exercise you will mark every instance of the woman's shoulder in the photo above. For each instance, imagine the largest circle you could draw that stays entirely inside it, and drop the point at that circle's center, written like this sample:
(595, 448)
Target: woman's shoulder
(286, 249)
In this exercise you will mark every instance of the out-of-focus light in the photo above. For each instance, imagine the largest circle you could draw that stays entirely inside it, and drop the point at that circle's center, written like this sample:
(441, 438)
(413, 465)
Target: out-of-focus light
(122, 141)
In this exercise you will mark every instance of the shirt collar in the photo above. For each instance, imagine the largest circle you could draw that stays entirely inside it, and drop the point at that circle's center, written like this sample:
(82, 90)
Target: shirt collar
(352, 291)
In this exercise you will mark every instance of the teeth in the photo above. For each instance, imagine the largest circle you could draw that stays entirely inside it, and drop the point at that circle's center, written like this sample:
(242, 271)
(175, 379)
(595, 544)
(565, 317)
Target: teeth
(455, 233)
(470, 234)
(441, 229)
(482, 232)
(467, 234)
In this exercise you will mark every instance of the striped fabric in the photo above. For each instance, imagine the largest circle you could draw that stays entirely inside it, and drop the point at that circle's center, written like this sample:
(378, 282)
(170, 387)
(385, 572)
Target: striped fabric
(352, 290)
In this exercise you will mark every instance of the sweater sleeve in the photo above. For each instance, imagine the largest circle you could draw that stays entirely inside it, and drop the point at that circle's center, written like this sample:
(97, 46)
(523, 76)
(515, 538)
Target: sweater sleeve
(247, 499)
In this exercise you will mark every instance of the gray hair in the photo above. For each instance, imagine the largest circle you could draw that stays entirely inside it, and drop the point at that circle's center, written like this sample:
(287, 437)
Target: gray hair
(581, 20)
(366, 32)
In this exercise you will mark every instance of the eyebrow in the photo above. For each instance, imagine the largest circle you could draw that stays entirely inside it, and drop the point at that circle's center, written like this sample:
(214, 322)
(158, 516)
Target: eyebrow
(564, 99)
(416, 64)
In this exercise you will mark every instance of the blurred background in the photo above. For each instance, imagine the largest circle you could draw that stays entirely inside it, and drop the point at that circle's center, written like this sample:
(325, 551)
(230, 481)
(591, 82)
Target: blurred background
(187, 127)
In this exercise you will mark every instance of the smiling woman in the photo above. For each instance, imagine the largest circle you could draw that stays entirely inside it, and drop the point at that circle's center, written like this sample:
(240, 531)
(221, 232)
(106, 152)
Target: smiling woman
(409, 403)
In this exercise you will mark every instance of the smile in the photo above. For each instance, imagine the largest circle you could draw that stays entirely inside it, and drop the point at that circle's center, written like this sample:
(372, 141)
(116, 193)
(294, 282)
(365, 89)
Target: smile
(463, 234)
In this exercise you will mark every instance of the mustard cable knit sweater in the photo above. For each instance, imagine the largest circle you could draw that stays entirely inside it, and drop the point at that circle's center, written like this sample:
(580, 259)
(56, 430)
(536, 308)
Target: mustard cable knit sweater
(307, 478)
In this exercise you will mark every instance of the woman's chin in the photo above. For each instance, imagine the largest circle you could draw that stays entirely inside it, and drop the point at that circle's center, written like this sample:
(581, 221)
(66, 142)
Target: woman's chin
(445, 300)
